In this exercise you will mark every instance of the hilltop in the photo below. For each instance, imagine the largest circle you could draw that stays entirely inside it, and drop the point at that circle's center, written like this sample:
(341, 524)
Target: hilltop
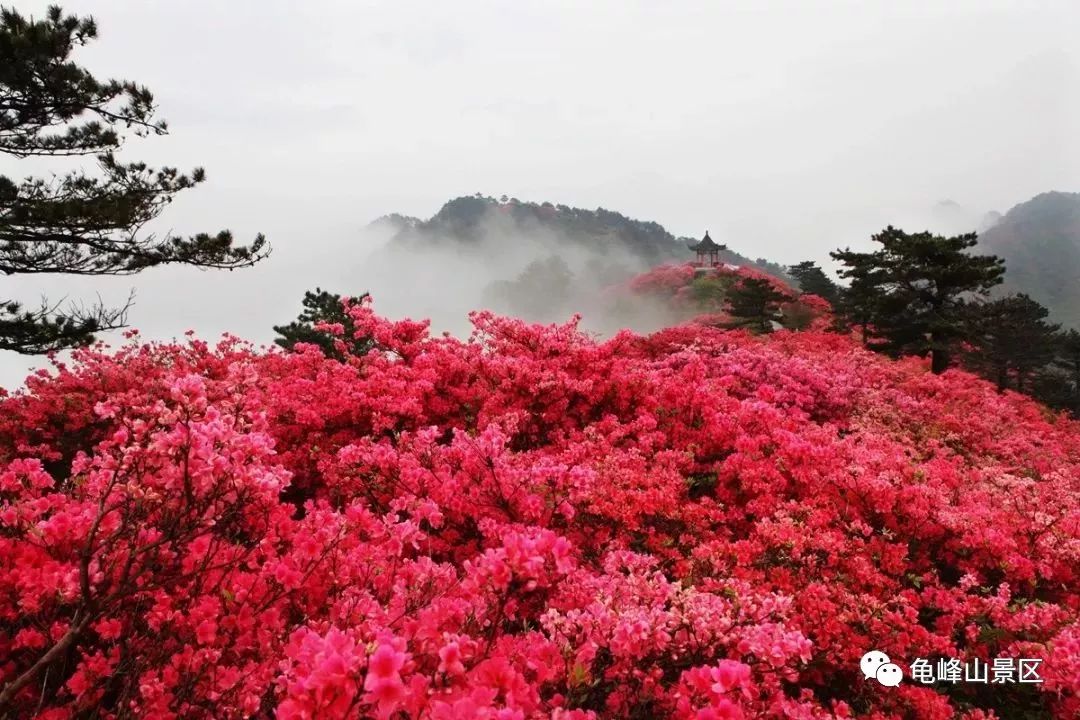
(1040, 242)
(470, 220)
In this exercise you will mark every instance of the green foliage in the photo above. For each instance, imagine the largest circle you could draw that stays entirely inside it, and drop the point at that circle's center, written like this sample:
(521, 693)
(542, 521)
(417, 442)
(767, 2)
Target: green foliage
(701, 484)
(44, 90)
(858, 301)
(543, 291)
(812, 279)
(325, 308)
(1012, 341)
(754, 304)
(768, 267)
(43, 330)
(78, 223)
(1058, 383)
(1067, 357)
(710, 292)
(909, 296)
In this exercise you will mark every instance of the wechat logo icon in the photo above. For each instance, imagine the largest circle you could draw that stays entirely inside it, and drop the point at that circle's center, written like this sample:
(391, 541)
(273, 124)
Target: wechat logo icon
(876, 664)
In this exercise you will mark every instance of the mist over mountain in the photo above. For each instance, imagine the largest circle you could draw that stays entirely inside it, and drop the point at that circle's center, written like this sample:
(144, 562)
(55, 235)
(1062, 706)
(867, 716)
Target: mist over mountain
(1040, 242)
(949, 217)
(470, 220)
(989, 220)
(539, 261)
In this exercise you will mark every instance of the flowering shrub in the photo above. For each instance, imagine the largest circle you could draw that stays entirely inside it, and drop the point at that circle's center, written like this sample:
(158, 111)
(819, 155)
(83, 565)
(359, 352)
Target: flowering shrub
(529, 524)
(687, 292)
(664, 279)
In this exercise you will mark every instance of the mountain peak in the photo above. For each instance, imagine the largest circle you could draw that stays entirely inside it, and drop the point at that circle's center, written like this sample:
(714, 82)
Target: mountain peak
(1040, 242)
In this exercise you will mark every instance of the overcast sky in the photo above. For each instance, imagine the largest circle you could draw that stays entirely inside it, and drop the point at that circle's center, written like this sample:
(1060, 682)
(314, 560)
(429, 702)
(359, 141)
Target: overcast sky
(786, 129)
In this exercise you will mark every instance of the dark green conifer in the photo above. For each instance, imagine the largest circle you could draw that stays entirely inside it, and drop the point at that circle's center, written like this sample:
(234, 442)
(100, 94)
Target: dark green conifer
(754, 304)
(909, 295)
(320, 307)
(1011, 341)
(82, 223)
(812, 279)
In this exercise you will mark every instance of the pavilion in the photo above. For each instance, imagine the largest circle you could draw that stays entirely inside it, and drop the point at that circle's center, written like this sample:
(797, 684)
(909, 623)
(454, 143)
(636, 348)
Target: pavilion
(708, 251)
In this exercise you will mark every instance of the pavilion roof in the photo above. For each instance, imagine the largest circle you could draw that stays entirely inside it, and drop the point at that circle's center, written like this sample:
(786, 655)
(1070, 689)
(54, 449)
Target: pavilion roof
(707, 244)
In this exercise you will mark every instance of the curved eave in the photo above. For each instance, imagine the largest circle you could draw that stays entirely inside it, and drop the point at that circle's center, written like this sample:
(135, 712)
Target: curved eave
(708, 247)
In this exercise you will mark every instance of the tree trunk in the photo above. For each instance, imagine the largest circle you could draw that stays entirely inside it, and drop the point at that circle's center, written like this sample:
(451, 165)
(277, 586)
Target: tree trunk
(939, 360)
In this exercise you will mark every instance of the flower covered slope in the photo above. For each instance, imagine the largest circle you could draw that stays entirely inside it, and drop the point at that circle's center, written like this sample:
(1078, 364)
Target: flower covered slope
(531, 524)
(702, 295)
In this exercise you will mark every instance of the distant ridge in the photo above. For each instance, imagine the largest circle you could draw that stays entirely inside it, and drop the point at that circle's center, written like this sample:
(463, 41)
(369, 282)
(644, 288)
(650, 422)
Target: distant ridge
(1040, 242)
(467, 219)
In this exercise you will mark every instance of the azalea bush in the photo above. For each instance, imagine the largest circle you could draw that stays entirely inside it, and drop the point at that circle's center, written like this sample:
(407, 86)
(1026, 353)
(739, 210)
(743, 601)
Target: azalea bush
(531, 523)
(685, 292)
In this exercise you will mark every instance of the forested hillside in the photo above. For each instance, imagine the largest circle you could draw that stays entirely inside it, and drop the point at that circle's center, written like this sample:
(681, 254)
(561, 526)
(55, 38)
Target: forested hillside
(475, 218)
(1040, 243)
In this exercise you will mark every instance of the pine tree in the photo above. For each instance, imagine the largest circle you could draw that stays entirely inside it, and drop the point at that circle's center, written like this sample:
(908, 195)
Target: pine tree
(1067, 358)
(909, 296)
(754, 304)
(1011, 341)
(858, 302)
(81, 223)
(1058, 385)
(812, 279)
(321, 307)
